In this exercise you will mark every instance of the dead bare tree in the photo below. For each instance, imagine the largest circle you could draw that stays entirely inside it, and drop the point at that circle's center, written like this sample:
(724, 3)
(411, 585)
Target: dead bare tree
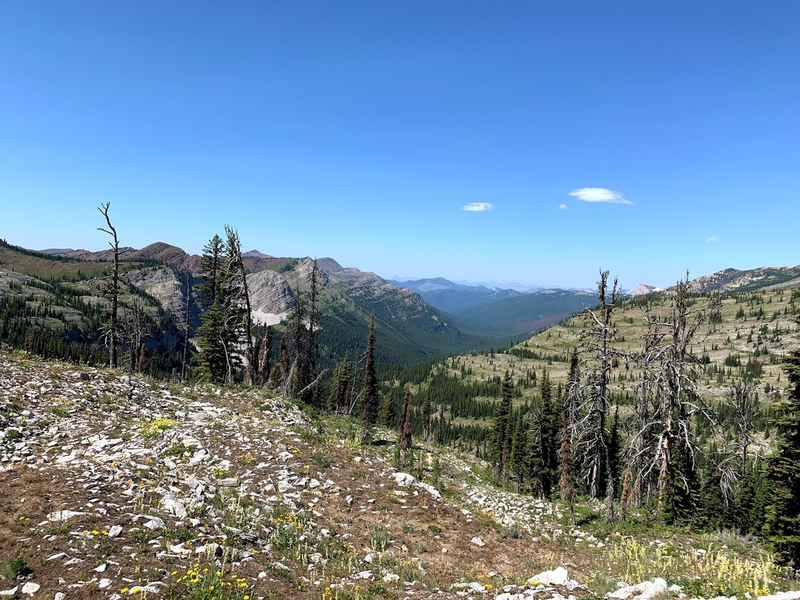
(187, 324)
(733, 468)
(594, 437)
(112, 289)
(662, 452)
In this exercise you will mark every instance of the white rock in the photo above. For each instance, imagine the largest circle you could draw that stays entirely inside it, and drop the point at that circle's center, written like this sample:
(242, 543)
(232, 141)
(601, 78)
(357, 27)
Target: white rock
(101, 569)
(64, 515)
(404, 479)
(389, 577)
(558, 576)
(114, 531)
(12, 592)
(430, 489)
(155, 523)
(57, 556)
(104, 583)
(364, 575)
(478, 542)
(794, 595)
(60, 596)
(174, 506)
(643, 591)
(30, 588)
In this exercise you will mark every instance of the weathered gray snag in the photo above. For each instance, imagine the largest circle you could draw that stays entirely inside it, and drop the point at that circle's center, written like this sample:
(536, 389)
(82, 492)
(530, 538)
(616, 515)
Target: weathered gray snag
(597, 462)
(661, 455)
(112, 289)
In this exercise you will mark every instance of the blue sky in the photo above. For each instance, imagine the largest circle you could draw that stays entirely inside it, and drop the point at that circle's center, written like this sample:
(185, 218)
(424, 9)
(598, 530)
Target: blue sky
(640, 137)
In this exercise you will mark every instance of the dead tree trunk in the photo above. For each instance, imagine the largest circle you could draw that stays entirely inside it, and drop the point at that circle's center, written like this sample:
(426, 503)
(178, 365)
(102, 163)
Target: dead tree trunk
(112, 289)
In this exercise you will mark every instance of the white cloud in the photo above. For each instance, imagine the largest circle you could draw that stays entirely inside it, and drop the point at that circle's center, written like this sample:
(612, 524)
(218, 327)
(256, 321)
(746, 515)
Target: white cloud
(599, 195)
(477, 206)
(562, 206)
(712, 239)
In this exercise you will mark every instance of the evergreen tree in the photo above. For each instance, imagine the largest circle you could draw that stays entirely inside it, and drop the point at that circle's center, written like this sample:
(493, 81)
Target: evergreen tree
(239, 313)
(426, 411)
(781, 527)
(500, 448)
(566, 482)
(341, 388)
(211, 267)
(210, 341)
(387, 415)
(404, 440)
(519, 459)
(221, 293)
(371, 402)
(295, 371)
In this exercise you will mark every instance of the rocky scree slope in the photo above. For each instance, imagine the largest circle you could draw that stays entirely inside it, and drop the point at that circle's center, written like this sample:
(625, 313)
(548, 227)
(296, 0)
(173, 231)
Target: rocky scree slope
(114, 486)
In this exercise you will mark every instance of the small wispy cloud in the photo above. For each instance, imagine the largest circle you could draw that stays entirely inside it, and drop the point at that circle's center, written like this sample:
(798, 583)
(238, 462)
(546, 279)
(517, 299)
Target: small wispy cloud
(562, 206)
(477, 206)
(599, 195)
(712, 239)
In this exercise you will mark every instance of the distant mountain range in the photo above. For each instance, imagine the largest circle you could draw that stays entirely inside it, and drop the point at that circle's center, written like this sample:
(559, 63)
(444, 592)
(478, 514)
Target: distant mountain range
(513, 285)
(450, 296)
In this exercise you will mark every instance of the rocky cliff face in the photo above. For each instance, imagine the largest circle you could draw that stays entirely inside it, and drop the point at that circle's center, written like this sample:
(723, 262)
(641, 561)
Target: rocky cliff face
(271, 296)
(168, 286)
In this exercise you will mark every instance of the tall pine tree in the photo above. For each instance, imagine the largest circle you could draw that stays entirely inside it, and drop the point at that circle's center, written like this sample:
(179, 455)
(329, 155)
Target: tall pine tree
(501, 440)
(371, 401)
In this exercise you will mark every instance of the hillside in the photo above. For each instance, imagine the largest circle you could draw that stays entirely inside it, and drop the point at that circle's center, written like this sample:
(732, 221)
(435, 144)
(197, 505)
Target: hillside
(746, 341)
(754, 328)
(523, 314)
(56, 307)
(734, 280)
(410, 329)
(116, 486)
